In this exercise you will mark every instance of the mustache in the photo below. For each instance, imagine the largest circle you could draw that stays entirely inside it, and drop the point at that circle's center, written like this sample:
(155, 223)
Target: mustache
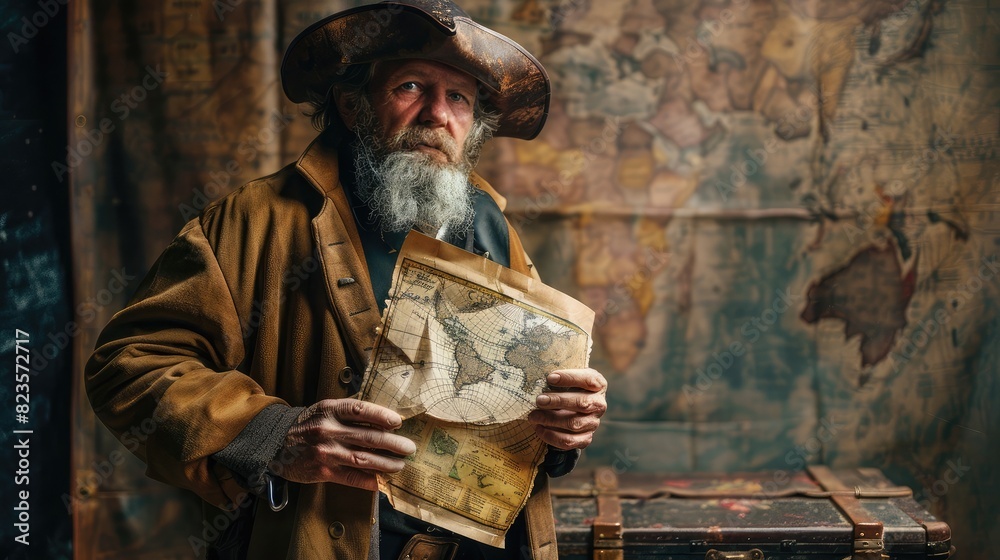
(409, 138)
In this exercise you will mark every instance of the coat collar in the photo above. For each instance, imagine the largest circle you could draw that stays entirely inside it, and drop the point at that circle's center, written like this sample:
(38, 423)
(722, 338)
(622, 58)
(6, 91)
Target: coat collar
(318, 163)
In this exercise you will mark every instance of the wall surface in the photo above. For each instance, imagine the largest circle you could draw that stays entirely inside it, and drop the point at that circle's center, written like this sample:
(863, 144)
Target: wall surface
(785, 212)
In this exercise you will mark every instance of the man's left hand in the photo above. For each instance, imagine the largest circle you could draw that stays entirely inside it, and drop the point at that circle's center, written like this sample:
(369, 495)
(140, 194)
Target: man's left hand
(567, 419)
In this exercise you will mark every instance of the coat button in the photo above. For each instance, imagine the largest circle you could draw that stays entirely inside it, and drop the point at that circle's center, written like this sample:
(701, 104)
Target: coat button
(336, 529)
(346, 375)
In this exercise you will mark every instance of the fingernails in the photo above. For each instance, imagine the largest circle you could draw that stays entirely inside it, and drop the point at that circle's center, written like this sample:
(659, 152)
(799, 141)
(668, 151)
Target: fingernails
(554, 378)
(411, 448)
(543, 400)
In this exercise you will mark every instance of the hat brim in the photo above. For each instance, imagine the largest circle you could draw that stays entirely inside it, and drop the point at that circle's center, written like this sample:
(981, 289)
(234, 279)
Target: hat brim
(514, 82)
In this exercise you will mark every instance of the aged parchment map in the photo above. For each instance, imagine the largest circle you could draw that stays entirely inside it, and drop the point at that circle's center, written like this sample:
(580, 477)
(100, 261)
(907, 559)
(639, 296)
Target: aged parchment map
(464, 349)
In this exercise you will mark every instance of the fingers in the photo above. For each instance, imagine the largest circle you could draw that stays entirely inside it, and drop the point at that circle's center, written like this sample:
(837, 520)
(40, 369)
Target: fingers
(318, 464)
(351, 422)
(342, 456)
(343, 427)
(564, 420)
(371, 438)
(564, 440)
(564, 429)
(345, 441)
(353, 410)
(587, 379)
(567, 419)
(586, 403)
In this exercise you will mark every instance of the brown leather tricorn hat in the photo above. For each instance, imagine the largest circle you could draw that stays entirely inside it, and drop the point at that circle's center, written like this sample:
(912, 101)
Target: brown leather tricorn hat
(514, 83)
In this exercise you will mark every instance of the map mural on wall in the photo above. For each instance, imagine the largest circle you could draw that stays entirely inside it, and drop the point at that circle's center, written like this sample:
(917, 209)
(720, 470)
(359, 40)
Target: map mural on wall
(819, 107)
(786, 214)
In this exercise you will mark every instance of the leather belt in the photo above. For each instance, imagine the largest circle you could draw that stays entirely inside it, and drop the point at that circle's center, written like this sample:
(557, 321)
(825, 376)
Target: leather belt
(426, 547)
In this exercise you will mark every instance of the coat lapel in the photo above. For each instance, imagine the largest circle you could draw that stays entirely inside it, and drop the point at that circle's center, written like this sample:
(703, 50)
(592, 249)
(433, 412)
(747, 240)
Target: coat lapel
(338, 246)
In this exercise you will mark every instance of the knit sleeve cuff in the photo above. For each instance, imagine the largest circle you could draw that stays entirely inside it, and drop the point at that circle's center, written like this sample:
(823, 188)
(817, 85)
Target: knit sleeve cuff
(250, 452)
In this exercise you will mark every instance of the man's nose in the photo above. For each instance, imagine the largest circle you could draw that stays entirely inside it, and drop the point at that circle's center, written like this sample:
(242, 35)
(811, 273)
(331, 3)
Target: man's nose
(435, 110)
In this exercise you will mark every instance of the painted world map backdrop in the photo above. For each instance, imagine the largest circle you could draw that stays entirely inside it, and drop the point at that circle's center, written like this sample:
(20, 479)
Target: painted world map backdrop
(786, 214)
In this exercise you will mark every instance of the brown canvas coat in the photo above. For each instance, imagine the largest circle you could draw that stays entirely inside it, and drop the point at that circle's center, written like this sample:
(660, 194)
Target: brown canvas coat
(244, 310)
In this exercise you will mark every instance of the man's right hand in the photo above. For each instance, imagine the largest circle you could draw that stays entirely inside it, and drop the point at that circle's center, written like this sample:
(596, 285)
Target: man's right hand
(346, 441)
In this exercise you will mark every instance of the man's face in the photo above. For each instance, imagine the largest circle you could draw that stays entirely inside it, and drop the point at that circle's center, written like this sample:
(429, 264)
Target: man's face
(424, 106)
(417, 142)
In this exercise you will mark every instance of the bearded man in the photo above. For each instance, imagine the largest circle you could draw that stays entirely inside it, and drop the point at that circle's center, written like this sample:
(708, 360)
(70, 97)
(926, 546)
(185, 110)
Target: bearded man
(247, 370)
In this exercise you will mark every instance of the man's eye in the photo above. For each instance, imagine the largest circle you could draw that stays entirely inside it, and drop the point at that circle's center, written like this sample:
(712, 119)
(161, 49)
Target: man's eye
(458, 97)
(408, 86)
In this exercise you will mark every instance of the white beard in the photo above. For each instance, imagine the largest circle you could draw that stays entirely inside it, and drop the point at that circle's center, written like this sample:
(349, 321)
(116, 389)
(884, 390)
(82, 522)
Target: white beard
(407, 189)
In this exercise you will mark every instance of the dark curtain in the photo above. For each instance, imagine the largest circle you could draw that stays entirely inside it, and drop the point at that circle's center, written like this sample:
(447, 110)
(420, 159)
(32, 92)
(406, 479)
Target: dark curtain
(36, 313)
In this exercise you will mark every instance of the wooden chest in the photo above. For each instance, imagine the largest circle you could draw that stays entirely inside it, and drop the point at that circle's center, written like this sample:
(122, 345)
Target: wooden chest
(855, 514)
